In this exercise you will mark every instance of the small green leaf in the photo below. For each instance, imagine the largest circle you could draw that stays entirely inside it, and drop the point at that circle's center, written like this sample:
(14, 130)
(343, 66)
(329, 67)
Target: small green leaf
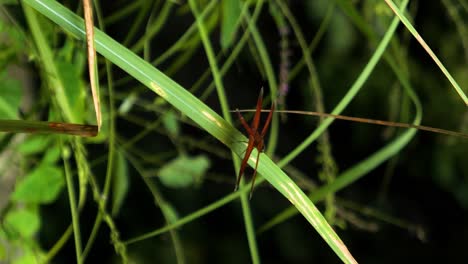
(34, 144)
(11, 96)
(184, 171)
(120, 183)
(42, 185)
(23, 221)
(52, 155)
(231, 13)
(171, 123)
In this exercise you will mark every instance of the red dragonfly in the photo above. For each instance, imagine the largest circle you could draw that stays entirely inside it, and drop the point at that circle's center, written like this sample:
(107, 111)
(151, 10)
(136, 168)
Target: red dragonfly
(255, 138)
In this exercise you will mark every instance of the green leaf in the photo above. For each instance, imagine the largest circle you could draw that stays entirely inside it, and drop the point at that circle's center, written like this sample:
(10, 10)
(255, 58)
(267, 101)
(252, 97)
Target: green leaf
(52, 155)
(184, 171)
(120, 183)
(3, 253)
(11, 96)
(42, 185)
(25, 222)
(12, 43)
(231, 13)
(171, 123)
(29, 257)
(34, 144)
(73, 87)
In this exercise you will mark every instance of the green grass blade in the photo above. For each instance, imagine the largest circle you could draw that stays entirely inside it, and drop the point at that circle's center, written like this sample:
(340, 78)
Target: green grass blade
(272, 82)
(352, 92)
(51, 71)
(73, 207)
(365, 166)
(155, 27)
(250, 230)
(426, 47)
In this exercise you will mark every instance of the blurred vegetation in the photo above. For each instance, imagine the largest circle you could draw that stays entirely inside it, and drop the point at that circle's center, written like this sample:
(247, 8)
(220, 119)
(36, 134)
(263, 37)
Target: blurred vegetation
(151, 166)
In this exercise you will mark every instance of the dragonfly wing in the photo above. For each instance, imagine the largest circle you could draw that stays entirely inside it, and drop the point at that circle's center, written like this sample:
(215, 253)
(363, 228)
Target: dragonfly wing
(258, 111)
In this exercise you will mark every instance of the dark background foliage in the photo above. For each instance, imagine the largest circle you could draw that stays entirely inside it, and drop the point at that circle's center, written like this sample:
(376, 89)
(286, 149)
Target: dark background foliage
(411, 209)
